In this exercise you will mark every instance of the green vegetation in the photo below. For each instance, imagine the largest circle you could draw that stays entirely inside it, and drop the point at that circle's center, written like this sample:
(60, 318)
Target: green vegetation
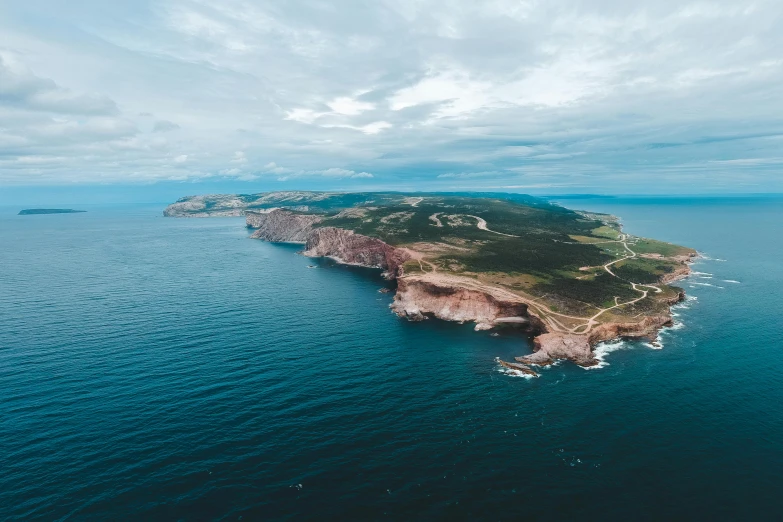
(521, 243)
(644, 270)
(599, 291)
(651, 246)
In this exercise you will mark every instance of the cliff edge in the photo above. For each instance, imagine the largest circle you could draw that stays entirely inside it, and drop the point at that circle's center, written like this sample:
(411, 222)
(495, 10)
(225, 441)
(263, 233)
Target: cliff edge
(570, 279)
(465, 297)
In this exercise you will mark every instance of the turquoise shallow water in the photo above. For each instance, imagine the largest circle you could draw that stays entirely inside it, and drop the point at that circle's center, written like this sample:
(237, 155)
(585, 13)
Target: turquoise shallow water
(165, 369)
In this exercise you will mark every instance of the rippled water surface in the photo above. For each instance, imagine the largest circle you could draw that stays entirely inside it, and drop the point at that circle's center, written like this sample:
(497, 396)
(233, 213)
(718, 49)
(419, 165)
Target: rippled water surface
(173, 369)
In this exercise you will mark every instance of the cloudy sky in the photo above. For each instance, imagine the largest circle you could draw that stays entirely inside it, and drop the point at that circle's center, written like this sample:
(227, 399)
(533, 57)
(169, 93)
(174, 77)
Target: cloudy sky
(531, 96)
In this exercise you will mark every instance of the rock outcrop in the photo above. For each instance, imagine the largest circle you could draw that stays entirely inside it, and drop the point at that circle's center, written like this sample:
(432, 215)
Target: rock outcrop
(203, 206)
(459, 299)
(680, 272)
(522, 368)
(345, 246)
(355, 249)
(578, 348)
(279, 225)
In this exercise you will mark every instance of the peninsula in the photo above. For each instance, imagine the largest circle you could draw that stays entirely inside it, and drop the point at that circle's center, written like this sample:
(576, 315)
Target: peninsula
(36, 211)
(572, 279)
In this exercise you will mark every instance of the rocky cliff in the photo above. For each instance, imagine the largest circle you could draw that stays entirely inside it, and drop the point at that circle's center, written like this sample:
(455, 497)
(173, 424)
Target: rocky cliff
(355, 249)
(279, 225)
(455, 297)
(578, 348)
(460, 299)
(343, 245)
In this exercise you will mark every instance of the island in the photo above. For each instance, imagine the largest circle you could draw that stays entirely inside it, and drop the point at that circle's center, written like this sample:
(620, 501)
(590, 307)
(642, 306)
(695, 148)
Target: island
(570, 279)
(36, 211)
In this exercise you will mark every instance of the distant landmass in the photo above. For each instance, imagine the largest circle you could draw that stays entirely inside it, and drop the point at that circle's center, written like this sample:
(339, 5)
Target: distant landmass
(34, 211)
(571, 278)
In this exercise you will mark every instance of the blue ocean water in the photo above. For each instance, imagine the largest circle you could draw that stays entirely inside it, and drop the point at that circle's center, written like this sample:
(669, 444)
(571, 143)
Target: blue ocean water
(173, 369)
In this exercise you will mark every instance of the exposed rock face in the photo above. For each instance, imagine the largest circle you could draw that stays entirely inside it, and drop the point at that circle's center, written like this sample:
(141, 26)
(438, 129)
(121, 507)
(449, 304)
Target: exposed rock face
(343, 245)
(550, 347)
(281, 225)
(680, 272)
(452, 300)
(196, 206)
(518, 368)
(355, 249)
(222, 205)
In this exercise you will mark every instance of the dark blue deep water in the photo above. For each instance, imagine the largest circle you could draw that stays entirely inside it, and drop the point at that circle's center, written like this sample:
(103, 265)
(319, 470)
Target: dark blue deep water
(173, 369)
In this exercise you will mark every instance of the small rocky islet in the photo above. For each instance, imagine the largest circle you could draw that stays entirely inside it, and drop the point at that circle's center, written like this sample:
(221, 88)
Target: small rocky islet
(40, 211)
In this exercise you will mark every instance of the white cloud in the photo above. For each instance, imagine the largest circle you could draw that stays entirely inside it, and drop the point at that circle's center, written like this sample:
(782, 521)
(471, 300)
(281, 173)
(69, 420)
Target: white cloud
(593, 92)
(349, 106)
(343, 173)
(303, 115)
(20, 88)
(375, 127)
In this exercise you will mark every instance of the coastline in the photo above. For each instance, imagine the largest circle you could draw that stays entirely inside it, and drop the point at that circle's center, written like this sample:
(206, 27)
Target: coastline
(461, 299)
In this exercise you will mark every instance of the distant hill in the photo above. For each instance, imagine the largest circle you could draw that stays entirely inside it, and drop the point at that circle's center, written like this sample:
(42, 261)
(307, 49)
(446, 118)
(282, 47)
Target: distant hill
(33, 211)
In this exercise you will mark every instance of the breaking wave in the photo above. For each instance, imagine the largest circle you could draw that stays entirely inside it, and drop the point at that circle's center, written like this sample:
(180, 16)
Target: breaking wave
(604, 349)
(705, 284)
(512, 373)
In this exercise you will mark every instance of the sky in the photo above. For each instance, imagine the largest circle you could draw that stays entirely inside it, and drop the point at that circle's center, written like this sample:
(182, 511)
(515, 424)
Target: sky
(192, 96)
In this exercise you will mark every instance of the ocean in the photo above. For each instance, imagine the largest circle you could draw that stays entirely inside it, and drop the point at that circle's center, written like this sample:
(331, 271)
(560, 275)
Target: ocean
(172, 369)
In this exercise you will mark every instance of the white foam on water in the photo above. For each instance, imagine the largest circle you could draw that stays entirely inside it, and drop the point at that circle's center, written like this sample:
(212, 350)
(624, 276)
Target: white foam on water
(515, 373)
(678, 325)
(702, 274)
(604, 349)
(512, 373)
(705, 284)
(731, 281)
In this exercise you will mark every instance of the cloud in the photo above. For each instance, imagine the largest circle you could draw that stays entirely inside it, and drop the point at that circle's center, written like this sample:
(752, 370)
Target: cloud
(599, 94)
(21, 89)
(349, 106)
(344, 173)
(330, 173)
(164, 126)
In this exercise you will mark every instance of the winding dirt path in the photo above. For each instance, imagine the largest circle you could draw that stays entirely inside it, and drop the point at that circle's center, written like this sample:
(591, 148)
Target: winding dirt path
(552, 318)
(482, 225)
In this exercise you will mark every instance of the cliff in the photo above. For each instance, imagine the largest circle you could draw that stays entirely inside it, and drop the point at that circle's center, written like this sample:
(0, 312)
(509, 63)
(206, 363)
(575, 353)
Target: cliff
(460, 299)
(278, 225)
(345, 246)
(578, 348)
(355, 249)
(515, 266)
(465, 300)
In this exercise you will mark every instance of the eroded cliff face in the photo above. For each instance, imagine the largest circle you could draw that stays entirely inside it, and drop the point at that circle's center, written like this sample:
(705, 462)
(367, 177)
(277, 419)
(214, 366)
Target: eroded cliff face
(450, 299)
(281, 225)
(343, 245)
(355, 249)
(578, 348)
